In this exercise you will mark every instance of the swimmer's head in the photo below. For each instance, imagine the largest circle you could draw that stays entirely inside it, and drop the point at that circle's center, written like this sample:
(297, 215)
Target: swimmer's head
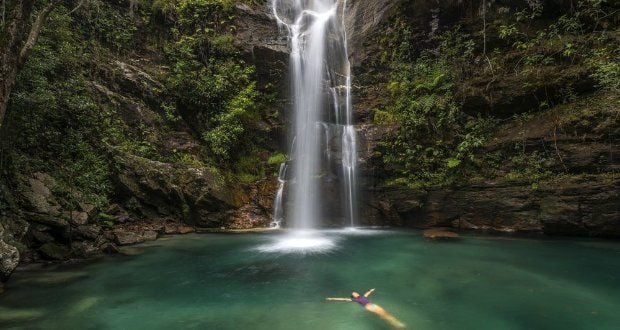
(355, 295)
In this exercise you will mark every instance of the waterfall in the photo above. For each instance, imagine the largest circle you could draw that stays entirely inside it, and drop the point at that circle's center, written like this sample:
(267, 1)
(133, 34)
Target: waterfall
(324, 147)
(278, 214)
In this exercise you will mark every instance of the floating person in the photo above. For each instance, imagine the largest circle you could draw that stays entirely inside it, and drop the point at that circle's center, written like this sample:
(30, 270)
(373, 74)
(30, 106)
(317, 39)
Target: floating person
(375, 309)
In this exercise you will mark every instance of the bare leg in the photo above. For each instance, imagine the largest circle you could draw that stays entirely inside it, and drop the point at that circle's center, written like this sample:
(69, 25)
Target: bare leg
(383, 314)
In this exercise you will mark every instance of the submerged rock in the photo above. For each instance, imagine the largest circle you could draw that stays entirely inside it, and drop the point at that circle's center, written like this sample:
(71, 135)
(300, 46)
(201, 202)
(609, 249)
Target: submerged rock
(440, 234)
(16, 315)
(88, 232)
(83, 305)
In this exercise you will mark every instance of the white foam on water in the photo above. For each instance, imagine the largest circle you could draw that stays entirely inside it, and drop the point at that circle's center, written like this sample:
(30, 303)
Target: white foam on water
(300, 242)
(315, 241)
(359, 231)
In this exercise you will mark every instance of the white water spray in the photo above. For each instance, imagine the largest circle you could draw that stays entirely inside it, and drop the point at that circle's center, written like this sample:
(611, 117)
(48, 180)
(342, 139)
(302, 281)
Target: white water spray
(323, 113)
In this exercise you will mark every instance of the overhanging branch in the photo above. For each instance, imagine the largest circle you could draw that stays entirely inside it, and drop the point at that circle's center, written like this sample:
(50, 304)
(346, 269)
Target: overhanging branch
(35, 30)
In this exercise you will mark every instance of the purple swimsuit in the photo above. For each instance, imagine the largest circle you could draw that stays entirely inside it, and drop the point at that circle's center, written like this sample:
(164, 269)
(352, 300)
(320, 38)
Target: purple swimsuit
(361, 300)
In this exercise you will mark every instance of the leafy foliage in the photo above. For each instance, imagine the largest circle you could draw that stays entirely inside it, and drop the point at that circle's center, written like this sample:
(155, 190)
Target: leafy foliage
(212, 86)
(435, 140)
(54, 124)
(546, 54)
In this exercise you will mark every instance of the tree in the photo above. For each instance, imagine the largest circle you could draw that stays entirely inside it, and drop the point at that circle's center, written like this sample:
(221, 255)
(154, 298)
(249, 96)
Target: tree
(17, 37)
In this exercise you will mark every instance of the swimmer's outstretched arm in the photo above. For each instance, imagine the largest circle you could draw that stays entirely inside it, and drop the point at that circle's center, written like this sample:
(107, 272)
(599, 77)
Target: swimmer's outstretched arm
(369, 293)
(339, 299)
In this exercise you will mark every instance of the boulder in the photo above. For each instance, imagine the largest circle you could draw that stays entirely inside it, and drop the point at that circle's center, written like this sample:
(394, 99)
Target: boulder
(47, 219)
(149, 235)
(84, 249)
(185, 229)
(87, 232)
(129, 237)
(38, 194)
(122, 237)
(171, 228)
(175, 228)
(9, 258)
(76, 217)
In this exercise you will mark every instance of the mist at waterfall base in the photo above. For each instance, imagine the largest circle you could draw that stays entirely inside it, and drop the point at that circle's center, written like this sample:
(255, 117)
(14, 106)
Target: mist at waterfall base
(229, 282)
(321, 171)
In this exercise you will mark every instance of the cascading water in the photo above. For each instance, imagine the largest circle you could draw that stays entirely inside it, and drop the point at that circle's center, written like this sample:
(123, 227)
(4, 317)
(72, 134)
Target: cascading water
(323, 113)
(277, 210)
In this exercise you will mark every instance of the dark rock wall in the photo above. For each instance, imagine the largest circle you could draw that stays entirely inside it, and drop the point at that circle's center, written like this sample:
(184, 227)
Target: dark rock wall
(583, 201)
(587, 206)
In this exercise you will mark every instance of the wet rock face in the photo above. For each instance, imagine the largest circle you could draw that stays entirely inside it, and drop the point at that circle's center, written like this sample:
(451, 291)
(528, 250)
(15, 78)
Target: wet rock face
(257, 30)
(589, 206)
(153, 189)
(363, 19)
(585, 203)
(265, 46)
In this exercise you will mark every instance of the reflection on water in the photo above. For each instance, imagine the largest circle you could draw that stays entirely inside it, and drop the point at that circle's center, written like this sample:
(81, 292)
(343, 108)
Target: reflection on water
(263, 282)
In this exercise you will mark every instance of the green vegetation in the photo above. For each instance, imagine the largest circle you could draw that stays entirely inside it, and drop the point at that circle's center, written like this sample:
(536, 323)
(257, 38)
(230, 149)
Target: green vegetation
(539, 59)
(210, 85)
(435, 140)
(277, 159)
(54, 124)
(71, 110)
(184, 94)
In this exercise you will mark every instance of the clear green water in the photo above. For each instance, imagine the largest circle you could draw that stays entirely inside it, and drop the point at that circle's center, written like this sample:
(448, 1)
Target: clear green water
(223, 282)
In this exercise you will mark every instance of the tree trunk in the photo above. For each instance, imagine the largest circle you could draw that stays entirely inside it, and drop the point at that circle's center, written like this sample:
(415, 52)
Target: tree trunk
(6, 84)
(16, 44)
